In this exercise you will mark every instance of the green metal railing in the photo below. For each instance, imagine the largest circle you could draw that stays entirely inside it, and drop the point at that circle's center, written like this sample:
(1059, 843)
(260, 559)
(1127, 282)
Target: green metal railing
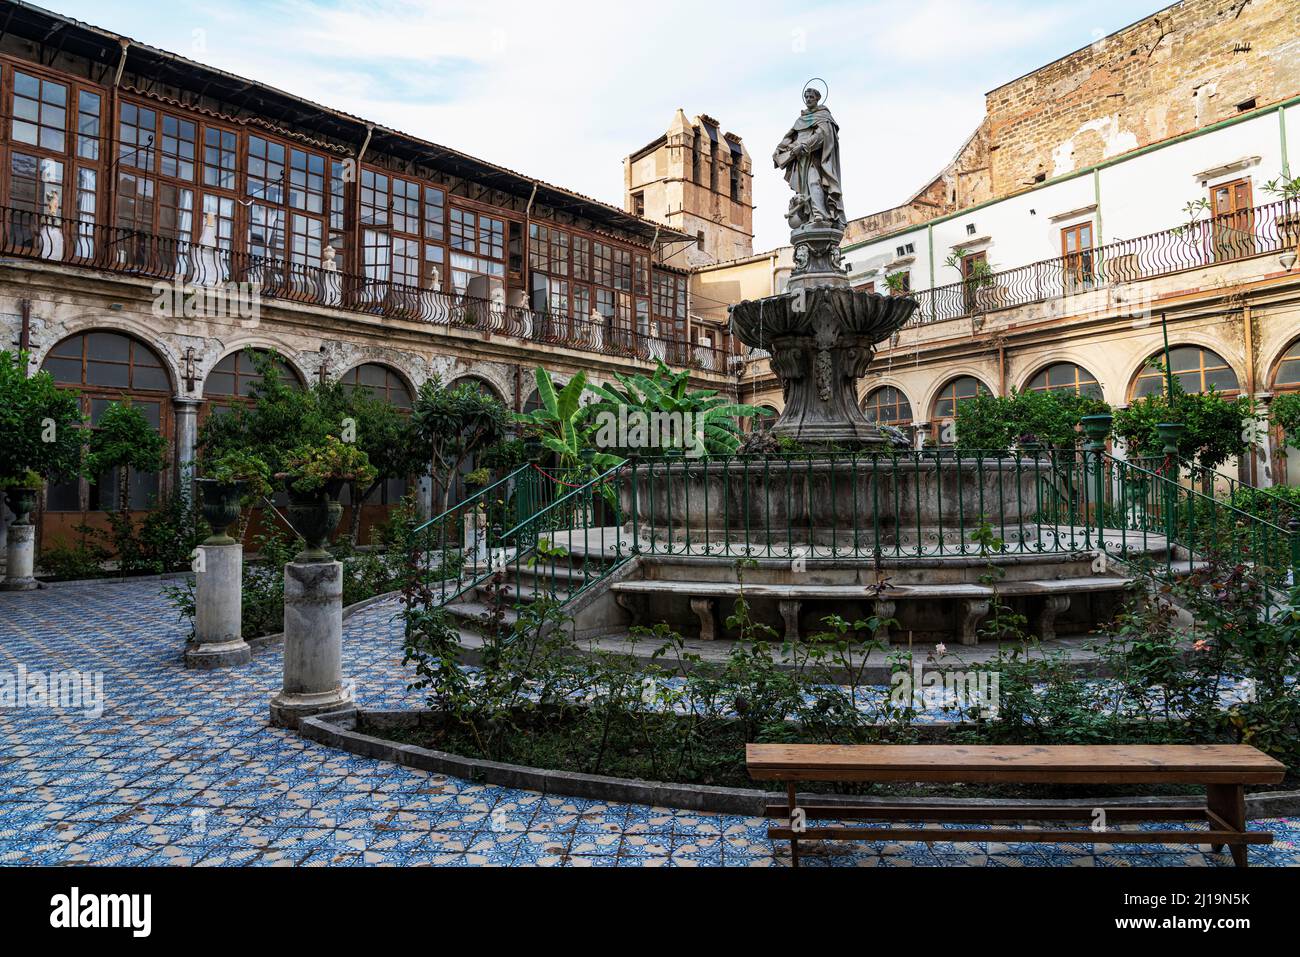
(570, 543)
(1140, 504)
(454, 548)
(506, 523)
(902, 504)
(556, 532)
(1265, 503)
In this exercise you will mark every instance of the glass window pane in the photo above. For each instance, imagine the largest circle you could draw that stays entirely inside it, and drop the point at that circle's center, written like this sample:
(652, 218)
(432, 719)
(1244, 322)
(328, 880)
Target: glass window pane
(109, 346)
(65, 371)
(109, 374)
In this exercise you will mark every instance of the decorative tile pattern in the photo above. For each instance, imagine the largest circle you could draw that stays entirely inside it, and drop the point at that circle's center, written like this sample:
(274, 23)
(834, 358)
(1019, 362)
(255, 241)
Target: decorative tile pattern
(181, 768)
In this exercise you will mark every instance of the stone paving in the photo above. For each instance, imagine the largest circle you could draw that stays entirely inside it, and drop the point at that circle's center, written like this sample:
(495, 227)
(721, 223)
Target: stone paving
(181, 768)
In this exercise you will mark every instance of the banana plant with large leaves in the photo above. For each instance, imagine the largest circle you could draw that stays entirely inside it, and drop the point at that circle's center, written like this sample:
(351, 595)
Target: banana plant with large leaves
(563, 423)
(714, 420)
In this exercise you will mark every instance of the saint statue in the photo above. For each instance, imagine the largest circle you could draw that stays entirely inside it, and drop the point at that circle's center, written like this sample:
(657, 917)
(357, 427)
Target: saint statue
(810, 156)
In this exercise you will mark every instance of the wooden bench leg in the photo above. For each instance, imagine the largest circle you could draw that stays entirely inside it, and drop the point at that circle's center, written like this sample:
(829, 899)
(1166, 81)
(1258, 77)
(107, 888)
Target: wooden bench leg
(703, 608)
(973, 613)
(1228, 801)
(1053, 607)
(885, 610)
(791, 804)
(790, 612)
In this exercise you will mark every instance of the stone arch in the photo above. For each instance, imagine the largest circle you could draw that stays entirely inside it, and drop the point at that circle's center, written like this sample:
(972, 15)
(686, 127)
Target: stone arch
(1044, 365)
(491, 386)
(1275, 363)
(897, 388)
(389, 367)
(286, 354)
(1193, 341)
(124, 324)
(924, 411)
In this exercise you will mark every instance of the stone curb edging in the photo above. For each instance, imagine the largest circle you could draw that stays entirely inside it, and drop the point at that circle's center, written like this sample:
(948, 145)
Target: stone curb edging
(265, 641)
(115, 580)
(338, 729)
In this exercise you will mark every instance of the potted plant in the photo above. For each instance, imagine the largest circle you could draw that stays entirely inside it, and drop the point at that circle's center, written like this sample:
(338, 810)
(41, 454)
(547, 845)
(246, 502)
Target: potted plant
(314, 479)
(228, 482)
(21, 491)
(477, 479)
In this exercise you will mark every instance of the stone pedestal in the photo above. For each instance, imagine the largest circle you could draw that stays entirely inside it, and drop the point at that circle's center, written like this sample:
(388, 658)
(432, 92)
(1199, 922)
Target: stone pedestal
(218, 609)
(21, 560)
(313, 644)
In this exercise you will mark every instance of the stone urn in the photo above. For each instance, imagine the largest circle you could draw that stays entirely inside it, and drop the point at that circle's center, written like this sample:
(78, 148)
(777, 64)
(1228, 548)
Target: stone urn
(220, 503)
(315, 515)
(1170, 433)
(21, 502)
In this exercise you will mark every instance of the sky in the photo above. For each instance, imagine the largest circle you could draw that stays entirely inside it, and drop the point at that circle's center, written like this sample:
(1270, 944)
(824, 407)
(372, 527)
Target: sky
(564, 90)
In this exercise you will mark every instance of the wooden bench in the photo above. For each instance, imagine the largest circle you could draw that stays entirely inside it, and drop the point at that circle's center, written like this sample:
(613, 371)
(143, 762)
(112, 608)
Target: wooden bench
(975, 600)
(1222, 769)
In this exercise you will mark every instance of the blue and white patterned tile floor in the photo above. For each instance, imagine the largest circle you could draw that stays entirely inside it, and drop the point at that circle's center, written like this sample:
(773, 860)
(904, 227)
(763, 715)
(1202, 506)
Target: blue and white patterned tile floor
(181, 768)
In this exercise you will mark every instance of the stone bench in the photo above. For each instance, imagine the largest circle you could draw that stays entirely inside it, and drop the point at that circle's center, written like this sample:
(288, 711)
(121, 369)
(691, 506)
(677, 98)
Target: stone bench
(976, 600)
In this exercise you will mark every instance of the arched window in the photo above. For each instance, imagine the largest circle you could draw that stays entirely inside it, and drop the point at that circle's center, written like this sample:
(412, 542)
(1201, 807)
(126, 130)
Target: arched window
(761, 423)
(1066, 377)
(487, 388)
(887, 406)
(534, 401)
(233, 377)
(956, 391)
(1196, 369)
(382, 382)
(108, 367)
(1286, 378)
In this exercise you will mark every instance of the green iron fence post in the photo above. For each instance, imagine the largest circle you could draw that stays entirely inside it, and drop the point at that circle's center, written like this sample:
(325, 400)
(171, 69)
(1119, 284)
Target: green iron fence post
(1293, 533)
(1097, 429)
(1170, 433)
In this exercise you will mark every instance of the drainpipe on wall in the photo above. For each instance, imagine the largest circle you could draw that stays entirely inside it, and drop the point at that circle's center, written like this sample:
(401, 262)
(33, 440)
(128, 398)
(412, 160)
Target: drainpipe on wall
(525, 267)
(110, 188)
(1248, 335)
(25, 329)
(357, 246)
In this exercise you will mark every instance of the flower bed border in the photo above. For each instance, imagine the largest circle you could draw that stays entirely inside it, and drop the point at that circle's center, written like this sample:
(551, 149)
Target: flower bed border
(338, 729)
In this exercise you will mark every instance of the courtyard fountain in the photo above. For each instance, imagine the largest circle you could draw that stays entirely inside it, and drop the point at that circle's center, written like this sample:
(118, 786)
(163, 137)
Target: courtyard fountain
(822, 336)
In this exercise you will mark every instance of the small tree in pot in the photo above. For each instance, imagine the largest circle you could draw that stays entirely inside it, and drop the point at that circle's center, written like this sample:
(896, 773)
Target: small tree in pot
(314, 478)
(230, 481)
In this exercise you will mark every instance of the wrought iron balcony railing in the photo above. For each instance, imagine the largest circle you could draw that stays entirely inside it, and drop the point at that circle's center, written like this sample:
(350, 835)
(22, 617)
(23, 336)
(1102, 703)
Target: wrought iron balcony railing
(131, 252)
(1226, 238)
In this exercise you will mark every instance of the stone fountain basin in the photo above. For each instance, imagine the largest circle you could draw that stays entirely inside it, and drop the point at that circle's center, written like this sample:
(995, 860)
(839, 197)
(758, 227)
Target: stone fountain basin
(835, 502)
(853, 313)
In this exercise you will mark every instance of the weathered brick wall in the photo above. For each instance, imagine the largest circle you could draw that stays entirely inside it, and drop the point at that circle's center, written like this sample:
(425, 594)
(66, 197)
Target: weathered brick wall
(1183, 68)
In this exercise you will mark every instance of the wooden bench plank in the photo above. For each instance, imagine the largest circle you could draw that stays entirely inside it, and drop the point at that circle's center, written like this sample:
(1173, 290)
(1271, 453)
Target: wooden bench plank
(1064, 764)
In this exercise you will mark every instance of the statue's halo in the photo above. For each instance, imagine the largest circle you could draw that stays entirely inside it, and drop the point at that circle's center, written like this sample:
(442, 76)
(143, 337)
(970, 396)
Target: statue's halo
(826, 88)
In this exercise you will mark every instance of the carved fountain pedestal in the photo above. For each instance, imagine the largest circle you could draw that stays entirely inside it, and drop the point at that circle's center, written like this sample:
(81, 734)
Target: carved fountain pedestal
(822, 336)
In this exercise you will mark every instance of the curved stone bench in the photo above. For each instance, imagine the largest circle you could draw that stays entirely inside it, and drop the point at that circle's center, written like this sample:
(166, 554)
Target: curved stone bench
(976, 600)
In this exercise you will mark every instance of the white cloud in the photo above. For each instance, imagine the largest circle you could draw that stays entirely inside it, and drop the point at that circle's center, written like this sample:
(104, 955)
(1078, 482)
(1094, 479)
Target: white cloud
(563, 91)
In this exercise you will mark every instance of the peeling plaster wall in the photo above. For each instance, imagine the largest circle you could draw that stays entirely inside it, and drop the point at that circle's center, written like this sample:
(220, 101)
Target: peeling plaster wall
(1180, 69)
